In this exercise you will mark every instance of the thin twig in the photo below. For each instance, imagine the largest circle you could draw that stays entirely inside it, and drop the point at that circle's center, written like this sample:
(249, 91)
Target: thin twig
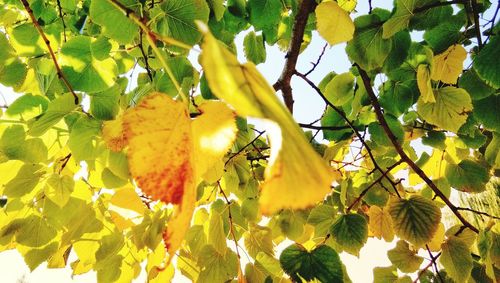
(315, 64)
(478, 212)
(477, 28)
(231, 227)
(350, 124)
(397, 146)
(51, 51)
(332, 128)
(243, 148)
(145, 56)
(283, 83)
(62, 19)
(152, 37)
(363, 193)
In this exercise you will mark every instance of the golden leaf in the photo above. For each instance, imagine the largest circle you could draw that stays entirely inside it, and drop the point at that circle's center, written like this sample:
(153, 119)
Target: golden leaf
(214, 131)
(160, 149)
(296, 176)
(112, 134)
(160, 154)
(447, 66)
(380, 223)
(334, 23)
(424, 83)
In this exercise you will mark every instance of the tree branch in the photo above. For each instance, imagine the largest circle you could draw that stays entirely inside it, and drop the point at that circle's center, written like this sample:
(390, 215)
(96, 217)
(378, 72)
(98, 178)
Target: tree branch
(283, 83)
(351, 125)
(60, 74)
(477, 28)
(363, 193)
(403, 155)
(332, 128)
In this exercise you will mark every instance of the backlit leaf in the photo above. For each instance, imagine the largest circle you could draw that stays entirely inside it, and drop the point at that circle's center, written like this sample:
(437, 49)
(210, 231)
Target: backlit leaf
(424, 84)
(214, 131)
(483, 62)
(246, 90)
(403, 258)
(350, 231)
(58, 189)
(334, 23)
(456, 259)
(450, 109)
(415, 219)
(467, 176)
(447, 66)
(322, 263)
(380, 223)
(400, 19)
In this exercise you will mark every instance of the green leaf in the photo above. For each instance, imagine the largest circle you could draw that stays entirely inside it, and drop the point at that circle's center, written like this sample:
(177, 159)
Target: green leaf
(264, 13)
(35, 232)
(216, 234)
(217, 7)
(450, 110)
(259, 239)
(84, 71)
(467, 176)
(379, 136)
(254, 48)
(400, 19)
(25, 181)
(26, 40)
(105, 105)
(35, 257)
(332, 119)
(217, 267)
(58, 188)
(456, 259)
(178, 19)
(114, 23)
(415, 219)
(403, 258)
(401, 43)
(58, 108)
(340, 89)
(12, 70)
(28, 106)
(492, 154)
(444, 35)
(483, 62)
(322, 217)
(83, 139)
(322, 263)
(350, 231)
(474, 85)
(368, 48)
(397, 97)
(182, 71)
(385, 274)
(486, 112)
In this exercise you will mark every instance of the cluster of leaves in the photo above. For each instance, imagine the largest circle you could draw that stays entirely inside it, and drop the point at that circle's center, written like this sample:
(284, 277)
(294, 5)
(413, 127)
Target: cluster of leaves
(170, 172)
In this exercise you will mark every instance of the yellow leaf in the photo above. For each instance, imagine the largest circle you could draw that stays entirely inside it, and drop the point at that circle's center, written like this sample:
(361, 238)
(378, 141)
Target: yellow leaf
(434, 168)
(121, 222)
(127, 198)
(424, 83)
(214, 131)
(447, 66)
(296, 176)
(112, 134)
(160, 149)
(438, 238)
(160, 155)
(380, 223)
(333, 23)
(348, 5)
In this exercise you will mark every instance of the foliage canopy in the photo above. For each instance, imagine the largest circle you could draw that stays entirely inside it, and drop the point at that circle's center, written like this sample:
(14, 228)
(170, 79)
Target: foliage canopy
(165, 168)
